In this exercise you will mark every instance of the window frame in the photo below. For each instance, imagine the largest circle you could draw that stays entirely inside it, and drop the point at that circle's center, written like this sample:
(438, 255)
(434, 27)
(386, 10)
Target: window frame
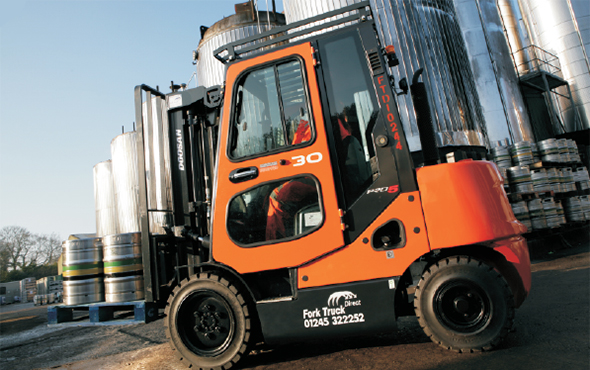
(240, 80)
(282, 240)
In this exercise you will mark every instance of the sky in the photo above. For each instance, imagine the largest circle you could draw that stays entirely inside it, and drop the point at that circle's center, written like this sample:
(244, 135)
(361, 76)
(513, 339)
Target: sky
(67, 74)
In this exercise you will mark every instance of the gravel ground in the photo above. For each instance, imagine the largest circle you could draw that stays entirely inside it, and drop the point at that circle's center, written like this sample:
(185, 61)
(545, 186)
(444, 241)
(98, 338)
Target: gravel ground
(552, 331)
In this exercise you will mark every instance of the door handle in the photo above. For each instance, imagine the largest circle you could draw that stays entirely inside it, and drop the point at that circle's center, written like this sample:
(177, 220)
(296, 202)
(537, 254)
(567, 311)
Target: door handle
(243, 174)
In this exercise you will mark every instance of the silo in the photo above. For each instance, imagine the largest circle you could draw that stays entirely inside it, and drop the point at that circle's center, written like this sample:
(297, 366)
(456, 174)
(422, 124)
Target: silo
(245, 23)
(126, 181)
(425, 34)
(157, 165)
(497, 82)
(104, 199)
(562, 27)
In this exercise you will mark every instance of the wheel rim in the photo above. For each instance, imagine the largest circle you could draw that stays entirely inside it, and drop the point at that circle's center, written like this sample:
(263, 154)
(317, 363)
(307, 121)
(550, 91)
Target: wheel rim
(462, 306)
(206, 323)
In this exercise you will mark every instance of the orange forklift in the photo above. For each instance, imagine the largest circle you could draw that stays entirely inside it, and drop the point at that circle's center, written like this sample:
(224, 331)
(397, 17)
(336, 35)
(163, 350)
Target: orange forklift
(299, 213)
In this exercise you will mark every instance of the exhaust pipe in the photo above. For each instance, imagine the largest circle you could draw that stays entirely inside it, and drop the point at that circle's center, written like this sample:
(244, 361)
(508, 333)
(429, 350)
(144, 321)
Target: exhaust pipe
(424, 120)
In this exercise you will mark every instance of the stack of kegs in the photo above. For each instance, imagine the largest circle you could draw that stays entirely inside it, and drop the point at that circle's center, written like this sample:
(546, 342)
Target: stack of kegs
(560, 212)
(537, 214)
(573, 209)
(574, 154)
(536, 153)
(521, 153)
(554, 178)
(550, 209)
(559, 151)
(43, 299)
(123, 267)
(581, 178)
(83, 271)
(567, 180)
(549, 151)
(520, 179)
(506, 184)
(521, 212)
(501, 156)
(541, 180)
(564, 150)
(585, 200)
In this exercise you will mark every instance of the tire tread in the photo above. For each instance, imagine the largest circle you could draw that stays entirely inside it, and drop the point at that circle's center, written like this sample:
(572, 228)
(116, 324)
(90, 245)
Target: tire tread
(464, 261)
(244, 348)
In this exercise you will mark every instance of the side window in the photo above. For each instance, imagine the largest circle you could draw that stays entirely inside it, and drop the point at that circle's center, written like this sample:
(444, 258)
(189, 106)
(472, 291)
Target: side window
(271, 111)
(275, 211)
(353, 112)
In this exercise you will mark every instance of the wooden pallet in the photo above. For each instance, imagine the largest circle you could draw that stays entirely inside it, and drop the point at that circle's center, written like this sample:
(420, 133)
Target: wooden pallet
(102, 313)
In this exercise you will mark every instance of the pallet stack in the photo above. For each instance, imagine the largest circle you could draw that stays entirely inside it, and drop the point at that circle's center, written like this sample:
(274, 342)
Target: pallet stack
(546, 183)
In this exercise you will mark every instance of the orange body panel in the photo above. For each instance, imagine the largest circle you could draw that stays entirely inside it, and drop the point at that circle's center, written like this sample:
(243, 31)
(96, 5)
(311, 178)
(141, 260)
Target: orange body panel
(289, 253)
(464, 203)
(359, 261)
(516, 251)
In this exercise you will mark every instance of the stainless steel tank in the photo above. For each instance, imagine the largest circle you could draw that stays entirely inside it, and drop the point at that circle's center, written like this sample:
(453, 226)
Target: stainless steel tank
(245, 23)
(562, 27)
(105, 203)
(157, 165)
(517, 34)
(126, 181)
(425, 34)
(496, 80)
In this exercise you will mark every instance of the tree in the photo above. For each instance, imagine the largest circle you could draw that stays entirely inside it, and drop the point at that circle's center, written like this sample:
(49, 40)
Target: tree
(49, 249)
(17, 247)
(24, 254)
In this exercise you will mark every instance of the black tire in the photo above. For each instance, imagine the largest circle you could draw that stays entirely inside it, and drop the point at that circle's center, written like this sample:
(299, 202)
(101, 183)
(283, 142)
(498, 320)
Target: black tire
(464, 305)
(208, 322)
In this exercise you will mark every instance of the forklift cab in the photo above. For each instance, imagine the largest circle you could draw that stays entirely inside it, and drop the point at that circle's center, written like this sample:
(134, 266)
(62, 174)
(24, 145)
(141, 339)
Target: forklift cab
(299, 174)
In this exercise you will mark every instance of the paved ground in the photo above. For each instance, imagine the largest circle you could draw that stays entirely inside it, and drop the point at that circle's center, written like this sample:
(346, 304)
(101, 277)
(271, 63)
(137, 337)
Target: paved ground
(552, 332)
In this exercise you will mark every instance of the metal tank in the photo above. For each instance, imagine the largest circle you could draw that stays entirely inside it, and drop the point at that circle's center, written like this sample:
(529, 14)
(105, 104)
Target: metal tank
(517, 34)
(503, 106)
(245, 23)
(562, 27)
(425, 34)
(104, 199)
(157, 165)
(126, 181)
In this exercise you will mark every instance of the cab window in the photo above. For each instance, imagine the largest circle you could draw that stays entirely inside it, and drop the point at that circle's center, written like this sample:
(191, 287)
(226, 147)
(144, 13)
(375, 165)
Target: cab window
(271, 111)
(275, 211)
(353, 112)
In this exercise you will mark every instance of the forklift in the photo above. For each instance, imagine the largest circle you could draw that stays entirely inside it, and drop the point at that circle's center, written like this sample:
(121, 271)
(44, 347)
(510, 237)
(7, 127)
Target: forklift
(299, 213)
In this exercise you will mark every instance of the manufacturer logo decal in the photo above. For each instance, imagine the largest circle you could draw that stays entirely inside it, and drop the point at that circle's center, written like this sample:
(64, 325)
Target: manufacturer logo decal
(334, 299)
(270, 166)
(179, 150)
(388, 189)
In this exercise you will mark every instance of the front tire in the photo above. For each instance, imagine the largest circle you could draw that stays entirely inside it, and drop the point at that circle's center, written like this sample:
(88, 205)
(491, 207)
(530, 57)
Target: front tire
(208, 322)
(464, 305)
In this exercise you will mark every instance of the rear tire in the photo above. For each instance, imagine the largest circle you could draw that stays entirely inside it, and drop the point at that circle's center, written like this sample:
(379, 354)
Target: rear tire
(208, 322)
(464, 305)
